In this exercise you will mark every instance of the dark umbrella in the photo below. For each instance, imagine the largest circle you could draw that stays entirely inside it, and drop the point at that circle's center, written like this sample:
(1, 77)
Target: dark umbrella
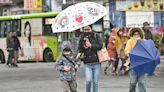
(144, 57)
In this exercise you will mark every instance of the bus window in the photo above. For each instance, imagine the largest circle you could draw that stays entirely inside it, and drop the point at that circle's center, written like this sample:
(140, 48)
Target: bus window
(7, 26)
(47, 31)
(2, 29)
(16, 26)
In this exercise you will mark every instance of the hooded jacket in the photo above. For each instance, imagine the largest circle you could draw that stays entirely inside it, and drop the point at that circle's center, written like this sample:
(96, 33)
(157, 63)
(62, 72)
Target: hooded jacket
(62, 61)
(119, 40)
(111, 48)
(133, 40)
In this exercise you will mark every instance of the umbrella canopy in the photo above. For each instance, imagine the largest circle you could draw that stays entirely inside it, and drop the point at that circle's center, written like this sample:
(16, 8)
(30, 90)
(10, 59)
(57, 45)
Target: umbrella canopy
(144, 57)
(77, 16)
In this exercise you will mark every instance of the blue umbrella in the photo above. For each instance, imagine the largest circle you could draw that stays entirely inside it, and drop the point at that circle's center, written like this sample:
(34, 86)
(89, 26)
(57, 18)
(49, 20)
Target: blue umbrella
(144, 57)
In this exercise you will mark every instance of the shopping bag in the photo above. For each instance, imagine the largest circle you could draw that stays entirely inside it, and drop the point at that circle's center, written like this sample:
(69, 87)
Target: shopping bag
(103, 55)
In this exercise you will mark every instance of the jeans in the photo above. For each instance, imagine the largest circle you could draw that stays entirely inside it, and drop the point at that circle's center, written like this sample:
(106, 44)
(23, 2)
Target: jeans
(134, 79)
(92, 73)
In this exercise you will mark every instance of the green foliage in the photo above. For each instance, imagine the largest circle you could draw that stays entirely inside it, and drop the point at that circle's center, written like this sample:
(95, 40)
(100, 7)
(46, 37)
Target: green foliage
(157, 39)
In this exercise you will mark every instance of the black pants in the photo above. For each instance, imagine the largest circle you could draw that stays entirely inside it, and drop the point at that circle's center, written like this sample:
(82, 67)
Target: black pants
(116, 64)
(10, 57)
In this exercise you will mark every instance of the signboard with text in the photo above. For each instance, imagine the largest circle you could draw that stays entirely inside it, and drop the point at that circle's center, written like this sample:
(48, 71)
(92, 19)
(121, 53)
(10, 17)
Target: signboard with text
(140, 5)
(136, 19)
(33, 4)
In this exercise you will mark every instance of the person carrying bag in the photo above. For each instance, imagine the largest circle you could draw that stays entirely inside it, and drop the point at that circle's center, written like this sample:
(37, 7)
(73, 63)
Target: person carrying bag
(88, 45)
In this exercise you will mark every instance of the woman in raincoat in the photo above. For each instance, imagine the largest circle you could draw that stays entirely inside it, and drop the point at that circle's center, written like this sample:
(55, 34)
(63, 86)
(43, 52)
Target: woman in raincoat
(135, 34)
(112, 52)
(120, 40)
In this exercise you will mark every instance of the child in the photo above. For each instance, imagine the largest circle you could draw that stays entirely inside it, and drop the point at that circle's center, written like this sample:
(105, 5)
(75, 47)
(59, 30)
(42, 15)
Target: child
(66, 65)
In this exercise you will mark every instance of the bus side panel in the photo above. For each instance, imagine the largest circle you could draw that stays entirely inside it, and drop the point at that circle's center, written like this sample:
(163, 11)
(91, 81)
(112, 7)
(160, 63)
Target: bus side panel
(53, 45)
(38, 45)
(33, 51)
(3, 48)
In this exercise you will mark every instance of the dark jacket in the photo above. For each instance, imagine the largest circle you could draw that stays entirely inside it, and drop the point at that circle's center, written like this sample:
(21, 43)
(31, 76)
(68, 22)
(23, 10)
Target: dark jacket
(148, 34)
(16, 43)
(10, 43)
(90, 54)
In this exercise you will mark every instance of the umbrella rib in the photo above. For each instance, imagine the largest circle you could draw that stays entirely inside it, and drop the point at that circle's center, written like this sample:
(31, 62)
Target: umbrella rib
(142, 63)
(142, 56)
(146, 50)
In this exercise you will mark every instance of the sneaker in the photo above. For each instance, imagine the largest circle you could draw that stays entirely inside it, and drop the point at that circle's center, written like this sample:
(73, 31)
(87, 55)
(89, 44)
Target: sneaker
(15, 65)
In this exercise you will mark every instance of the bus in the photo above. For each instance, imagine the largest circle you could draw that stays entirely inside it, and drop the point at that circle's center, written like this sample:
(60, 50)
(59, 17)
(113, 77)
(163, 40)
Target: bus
(39, 43)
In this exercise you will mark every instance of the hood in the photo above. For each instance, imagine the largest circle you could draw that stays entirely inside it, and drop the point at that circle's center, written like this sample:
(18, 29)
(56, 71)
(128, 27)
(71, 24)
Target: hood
(115, 30)
(66, 44)
(111, 39)
(141, 32)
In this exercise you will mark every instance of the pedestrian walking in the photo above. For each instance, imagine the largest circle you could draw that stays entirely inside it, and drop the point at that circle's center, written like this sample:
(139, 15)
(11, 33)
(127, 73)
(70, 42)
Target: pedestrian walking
(112, 52)
(89, 44)
(136, 34)
(122, 56)
(120, 39)
(67, 67)
(17, 48)
(107, 34)
(10, 49)
(146, 28)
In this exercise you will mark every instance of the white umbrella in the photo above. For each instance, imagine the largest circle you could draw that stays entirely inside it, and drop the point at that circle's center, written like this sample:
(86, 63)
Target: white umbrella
(77, 16)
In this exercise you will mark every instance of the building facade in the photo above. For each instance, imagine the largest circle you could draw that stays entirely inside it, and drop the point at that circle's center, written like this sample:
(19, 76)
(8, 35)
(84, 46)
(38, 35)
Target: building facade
(120, 17)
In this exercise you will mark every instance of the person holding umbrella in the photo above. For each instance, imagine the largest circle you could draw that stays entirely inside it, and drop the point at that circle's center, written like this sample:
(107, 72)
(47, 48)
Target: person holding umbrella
(89, 44)
(135, 34)
(71, 19)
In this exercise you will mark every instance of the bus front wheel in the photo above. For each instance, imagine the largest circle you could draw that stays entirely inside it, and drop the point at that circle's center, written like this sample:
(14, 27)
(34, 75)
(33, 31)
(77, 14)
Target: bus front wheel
(48, 55)
(2, 57)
